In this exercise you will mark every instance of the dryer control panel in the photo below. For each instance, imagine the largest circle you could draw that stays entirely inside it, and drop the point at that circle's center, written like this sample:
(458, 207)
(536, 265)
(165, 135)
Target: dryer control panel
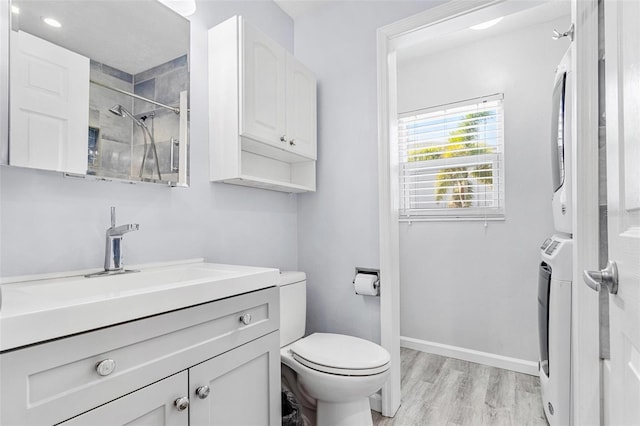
(549, 246)
(556, 251)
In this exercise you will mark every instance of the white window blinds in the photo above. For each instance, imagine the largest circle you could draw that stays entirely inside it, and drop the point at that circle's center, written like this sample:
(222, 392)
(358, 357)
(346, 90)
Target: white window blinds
(451, 161)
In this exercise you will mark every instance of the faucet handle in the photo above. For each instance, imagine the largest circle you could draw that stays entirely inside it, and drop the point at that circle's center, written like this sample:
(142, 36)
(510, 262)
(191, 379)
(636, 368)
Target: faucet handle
(113, 216)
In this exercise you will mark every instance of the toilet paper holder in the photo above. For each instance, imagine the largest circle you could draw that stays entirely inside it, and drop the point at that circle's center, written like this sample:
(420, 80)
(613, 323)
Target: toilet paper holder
(369, 271)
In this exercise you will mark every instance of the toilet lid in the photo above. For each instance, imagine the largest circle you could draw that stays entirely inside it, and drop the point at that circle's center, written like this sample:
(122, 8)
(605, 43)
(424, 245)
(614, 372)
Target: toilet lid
(340, 354)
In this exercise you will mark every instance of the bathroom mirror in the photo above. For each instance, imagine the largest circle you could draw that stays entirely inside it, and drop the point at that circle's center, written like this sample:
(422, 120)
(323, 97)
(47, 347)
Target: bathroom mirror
(99, 88)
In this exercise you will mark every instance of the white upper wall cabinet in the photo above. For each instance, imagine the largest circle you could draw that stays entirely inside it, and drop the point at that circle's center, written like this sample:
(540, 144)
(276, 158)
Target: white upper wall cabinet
(262, 106)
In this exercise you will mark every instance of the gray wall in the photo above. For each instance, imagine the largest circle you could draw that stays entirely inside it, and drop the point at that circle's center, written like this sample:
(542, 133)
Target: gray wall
(338, 225)
(464, 284)
(50, 223)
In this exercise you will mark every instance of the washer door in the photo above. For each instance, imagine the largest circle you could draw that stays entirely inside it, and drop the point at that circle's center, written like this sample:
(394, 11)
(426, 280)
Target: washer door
(558, 132)
(544, 287)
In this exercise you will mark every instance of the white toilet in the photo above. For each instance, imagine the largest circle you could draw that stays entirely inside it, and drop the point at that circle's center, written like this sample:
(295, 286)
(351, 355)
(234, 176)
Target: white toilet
(332, 372)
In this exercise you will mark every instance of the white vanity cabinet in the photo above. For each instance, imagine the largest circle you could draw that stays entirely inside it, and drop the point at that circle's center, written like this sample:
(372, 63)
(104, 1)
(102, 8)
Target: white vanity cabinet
(262, 105)
(154, 370)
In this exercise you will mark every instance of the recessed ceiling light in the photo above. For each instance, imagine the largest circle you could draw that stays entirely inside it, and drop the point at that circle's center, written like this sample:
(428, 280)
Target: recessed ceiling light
(50, 21)
(487, 24)
(15, 9)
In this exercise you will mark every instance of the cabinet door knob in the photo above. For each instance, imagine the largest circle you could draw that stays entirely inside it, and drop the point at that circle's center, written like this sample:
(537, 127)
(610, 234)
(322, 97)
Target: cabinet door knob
(105, 367)
(292, 142)
(202, 392)
(245, 319)
(283, 138)
(182, 403)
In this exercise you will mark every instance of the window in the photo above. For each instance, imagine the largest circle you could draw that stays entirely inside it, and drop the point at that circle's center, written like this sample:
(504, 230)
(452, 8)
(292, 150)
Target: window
(451, 161)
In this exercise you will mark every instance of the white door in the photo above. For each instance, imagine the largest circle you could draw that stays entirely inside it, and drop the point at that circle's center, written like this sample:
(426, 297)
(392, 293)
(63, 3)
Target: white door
(622, 38)
(301, 109)
(151, 405)
(240, 387)
(49, 106)
(263, 89)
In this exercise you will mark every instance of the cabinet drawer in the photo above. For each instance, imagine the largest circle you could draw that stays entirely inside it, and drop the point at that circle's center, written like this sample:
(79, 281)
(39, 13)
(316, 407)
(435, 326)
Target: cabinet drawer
(51, 382)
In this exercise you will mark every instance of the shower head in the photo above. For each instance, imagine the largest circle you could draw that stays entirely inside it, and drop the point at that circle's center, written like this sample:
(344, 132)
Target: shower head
(121, 111)
(117, 110)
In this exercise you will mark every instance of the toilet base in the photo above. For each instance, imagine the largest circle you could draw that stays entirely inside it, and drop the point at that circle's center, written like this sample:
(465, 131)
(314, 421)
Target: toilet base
(354, 413)
(306, 403)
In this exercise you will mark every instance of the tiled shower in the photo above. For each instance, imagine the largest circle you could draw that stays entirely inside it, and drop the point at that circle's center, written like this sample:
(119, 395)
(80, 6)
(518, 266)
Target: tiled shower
(116, 145)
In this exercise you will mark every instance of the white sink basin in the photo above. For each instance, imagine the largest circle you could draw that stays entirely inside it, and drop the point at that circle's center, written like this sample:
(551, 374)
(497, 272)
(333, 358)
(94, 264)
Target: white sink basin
(44, 308)
(72, 289)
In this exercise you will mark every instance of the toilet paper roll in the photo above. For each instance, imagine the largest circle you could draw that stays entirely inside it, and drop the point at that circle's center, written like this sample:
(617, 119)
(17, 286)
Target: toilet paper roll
(366, 284)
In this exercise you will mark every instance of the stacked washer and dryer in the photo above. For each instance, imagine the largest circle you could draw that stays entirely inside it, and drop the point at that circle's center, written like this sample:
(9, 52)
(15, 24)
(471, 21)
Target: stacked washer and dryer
(556, 268)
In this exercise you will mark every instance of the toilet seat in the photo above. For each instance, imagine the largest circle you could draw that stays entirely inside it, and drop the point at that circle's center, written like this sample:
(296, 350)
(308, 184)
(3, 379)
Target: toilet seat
(340, 355)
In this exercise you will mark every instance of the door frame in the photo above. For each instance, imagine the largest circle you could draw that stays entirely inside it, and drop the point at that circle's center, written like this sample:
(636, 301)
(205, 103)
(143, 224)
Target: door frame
(5, 31)
(388, 182)
(585, 374)
(585, 342)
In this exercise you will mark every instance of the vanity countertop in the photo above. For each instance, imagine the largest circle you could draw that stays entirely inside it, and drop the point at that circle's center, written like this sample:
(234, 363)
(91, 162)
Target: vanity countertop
(44, 307)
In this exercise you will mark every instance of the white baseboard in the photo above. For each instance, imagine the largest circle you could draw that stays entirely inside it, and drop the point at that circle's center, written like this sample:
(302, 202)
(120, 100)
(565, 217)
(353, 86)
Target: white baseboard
(375, 401)
(486, 358)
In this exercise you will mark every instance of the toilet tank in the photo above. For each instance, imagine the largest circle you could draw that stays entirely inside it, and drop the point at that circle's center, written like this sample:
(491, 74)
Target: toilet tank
(293, 306)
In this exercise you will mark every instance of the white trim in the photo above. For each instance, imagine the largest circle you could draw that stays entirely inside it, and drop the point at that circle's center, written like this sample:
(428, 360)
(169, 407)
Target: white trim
(479, 357)
(585, 355)
(5, 31)
(388, 227)
(388, 187)
(436, 15)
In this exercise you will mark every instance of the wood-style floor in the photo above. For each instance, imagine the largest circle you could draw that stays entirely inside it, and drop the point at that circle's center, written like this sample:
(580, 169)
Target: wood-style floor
(437, 390)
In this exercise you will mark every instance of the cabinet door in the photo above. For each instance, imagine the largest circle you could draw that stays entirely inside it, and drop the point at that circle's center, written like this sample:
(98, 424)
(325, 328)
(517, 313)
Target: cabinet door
(263, 89)
(152, 405)
(301, 109)
(244, 386)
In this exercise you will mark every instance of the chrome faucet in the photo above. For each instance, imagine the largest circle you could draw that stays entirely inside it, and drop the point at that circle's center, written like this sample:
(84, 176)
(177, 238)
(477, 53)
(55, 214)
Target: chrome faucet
(113, 256)
(113, 251)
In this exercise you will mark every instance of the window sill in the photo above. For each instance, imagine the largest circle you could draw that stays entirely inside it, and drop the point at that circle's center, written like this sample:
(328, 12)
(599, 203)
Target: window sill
(453, 219)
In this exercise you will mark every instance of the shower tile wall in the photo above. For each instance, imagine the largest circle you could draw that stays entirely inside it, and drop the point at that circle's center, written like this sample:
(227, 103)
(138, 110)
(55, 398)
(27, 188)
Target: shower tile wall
(162, 83)
(118, 156)
(113, 158)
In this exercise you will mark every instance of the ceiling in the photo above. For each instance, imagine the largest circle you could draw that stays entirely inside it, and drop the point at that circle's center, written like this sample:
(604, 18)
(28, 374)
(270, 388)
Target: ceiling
(456, 32)
(299, 8)
(132, 36)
